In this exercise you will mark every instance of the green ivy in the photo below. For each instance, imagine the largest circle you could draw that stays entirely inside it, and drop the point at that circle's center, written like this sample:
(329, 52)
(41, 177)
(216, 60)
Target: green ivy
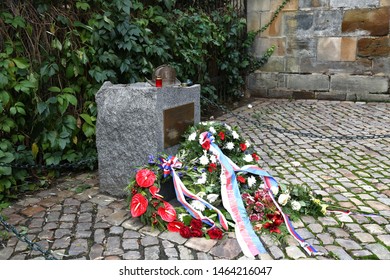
(55, 55)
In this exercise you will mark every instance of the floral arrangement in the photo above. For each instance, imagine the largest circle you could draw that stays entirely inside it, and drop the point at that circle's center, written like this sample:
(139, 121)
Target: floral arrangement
(200, 173)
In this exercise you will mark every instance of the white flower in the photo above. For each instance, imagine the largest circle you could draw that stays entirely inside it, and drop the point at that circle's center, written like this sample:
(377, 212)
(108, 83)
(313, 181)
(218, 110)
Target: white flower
(181, 216)
(201, 194)
(275, 190)
(247, 143)
(228, 127)
(192, 136)
(283, 199)
(204, 160)
(248, 158)
(212, 197)
(295, 205)
(230, 146)
(251, 181)
(212, 130)
(250, 106)
(202, 179)
(235, 135)
(213, 158)
(198, 205)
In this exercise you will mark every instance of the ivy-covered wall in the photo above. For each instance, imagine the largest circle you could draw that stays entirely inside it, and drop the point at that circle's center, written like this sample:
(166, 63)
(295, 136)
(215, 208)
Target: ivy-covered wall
(325, 49)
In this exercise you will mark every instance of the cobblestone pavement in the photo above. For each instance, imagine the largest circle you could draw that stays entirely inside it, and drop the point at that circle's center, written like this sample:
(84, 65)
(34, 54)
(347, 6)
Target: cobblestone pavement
(77, 221)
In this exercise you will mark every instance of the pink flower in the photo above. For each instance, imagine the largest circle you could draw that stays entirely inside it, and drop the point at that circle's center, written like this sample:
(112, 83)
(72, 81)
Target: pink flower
(167, 213)
(138, 205)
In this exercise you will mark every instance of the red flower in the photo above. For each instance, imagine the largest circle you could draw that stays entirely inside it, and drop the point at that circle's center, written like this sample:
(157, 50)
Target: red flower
(175, 226)
(276, 221)
(167, 213)
(221, 135)
(212, 167)
(255, 157)
(196, 232)
(241, 179)
(185, 232)
(196, 224)
(138, 205)
(145, 178)
(154, 191)
(206, 144)
(243, 147)
(215, 233)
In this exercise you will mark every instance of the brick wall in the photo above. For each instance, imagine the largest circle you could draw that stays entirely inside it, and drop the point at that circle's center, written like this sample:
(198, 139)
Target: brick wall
(325, 49)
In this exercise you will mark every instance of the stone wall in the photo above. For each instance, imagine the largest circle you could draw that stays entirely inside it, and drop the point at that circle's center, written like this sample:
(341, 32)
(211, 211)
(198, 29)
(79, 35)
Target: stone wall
(325, 49)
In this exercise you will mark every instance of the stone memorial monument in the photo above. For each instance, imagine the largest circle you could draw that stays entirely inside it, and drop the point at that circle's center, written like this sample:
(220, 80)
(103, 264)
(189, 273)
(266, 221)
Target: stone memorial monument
(138, 120)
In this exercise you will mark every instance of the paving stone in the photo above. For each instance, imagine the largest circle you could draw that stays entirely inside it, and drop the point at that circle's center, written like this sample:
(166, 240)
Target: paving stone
(295, 253)
(185, 253)
(99, 236)
(387, 227)
(68, 218)
(327, 221)
(148, 230)
(101, 225)
(66, 225)
(364, 237)
(326, 238)
(59, 233)
(86, 207)
(385, 239)
(316, 228)
(36, 223)
(348, 244)
(173, 237)
(113, 246)
(338, 232)
(339, 252)
(130, 244)
(152, 253)
(361, 253)
(379, 250)
(374, 229)
(226, 249)
(131, 234)
(116, 230)
(353, 228)
(53, 217)
(117, 217)
(276, 252)
(132, 255)
(102, 200)
(79, 246)
(96, 252)
(171, 253)
(149, 240)
(133, 224)
(85, 218)
(204, 256)
(61, 243)
(83, 234)
(201, 244)
(84, 226)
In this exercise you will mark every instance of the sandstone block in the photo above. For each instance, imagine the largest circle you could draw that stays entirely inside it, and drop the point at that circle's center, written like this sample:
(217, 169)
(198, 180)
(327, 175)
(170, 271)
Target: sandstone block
(308, 82)
(351, 4)
(336, 49)
(328, 22)
(291, 6)
(375, 21)
(308, 4)
(359, 84)
(253, 21)
(258, 6)
(374, 47)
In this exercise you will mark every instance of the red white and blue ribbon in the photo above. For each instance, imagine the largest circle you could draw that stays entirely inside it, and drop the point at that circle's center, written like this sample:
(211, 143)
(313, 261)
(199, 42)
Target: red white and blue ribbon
(169, 165)
(232, 201)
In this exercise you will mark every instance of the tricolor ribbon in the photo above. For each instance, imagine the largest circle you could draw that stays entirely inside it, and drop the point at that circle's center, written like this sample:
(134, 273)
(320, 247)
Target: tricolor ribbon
(169, 165)
(232, 201)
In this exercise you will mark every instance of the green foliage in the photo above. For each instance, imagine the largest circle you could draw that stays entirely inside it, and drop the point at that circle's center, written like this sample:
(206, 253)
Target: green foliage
(55, 55)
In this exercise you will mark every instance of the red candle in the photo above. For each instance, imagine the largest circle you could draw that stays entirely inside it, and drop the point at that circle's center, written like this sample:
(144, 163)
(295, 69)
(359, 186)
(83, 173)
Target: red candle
(158, 82)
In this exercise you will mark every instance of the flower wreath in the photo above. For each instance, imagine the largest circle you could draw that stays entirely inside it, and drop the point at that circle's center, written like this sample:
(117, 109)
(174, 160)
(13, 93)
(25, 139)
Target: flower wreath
(198, 182)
